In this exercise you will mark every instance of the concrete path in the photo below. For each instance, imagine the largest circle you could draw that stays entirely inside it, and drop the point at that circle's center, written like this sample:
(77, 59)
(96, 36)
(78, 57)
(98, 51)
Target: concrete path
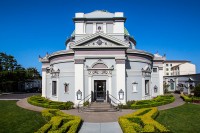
(99, 117)
(110, 127)
(178, 102)
(24, 104)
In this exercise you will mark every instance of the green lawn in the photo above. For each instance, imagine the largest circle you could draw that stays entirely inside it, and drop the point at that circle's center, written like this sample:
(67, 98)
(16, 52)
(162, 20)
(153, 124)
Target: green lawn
(14, 119)
(183, 119)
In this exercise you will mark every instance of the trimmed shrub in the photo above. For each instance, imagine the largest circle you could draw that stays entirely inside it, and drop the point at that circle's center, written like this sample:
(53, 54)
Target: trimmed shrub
(37, 100)
(142, 121)
(128, 104)
(158, 101)
(186, 98)
(59, 122)
(190, 98)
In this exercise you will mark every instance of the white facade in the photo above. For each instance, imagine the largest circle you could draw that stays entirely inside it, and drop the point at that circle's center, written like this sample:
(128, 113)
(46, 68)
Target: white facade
(101, 61)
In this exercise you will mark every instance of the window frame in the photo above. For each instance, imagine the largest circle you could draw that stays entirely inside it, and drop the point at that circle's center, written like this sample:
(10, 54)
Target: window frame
(155, 69)
(54, 88)
(147, 87)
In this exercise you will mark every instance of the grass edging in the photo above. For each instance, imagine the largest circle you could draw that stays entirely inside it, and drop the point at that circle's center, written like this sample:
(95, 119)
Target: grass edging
(158, 101)
(59, 122)
(142, 121)
(37, 100)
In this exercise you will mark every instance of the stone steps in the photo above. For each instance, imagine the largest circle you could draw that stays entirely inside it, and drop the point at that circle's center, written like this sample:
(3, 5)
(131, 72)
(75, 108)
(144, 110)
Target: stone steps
(100, 107)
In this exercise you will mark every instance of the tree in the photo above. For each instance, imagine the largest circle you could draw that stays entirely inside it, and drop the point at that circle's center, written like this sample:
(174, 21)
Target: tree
(11, 73)
(197, 90)
(7, 62)
(165, 87)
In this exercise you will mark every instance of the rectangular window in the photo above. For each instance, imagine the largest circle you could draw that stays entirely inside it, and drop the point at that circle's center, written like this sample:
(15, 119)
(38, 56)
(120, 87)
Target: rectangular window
(167, 69)
(109, 28)
(166, 64)
(167, 73)
(54, 87)
(89, 28)
(134, 87)
(154, 70)
(146, 87)
(170, 64)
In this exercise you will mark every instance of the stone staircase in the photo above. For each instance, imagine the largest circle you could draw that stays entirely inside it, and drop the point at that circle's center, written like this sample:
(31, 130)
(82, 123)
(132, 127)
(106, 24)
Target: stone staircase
(100, 107)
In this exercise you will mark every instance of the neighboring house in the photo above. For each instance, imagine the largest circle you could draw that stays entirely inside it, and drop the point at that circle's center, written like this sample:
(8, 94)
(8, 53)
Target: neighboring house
(101, 60)
(30, 85)
(182, 82)
(183, 69)
(177, 74)
(178, 67)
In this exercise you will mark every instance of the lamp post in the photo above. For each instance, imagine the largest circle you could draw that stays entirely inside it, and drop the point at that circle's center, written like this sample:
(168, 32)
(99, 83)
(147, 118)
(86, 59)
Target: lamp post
(121, 94)
(189, 81)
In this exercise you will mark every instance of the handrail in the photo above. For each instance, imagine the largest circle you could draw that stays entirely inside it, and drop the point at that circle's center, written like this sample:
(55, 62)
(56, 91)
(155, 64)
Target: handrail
(79, 103)
(119, 105)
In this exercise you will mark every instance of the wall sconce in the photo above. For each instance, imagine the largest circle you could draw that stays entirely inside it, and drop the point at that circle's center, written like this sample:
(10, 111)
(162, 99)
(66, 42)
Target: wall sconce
(79, 95)
(121, 94)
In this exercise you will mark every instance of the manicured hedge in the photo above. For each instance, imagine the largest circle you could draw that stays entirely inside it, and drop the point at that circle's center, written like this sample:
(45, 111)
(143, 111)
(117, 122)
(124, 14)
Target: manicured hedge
(158, 101)
(186, 98)
(59, 122)
(37, 100)
(190, 98)
(142, 121)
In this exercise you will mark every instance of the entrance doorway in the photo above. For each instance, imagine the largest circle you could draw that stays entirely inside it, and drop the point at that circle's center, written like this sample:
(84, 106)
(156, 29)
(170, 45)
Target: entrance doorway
(99, 90)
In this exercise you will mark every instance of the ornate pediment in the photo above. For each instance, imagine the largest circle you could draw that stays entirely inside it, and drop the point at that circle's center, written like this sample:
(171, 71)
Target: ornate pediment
(99, 39)
(100, 68)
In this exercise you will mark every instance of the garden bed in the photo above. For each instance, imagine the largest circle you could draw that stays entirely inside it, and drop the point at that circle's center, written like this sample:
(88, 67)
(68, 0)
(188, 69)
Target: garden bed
(37, 100)
(142, 121)
(158, 101)
(59, 122)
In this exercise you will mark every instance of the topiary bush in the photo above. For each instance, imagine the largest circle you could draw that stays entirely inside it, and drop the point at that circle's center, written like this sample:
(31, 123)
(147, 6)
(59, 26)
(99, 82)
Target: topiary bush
(158, 101)
(37, 100)
(59, 122)
(142, 121)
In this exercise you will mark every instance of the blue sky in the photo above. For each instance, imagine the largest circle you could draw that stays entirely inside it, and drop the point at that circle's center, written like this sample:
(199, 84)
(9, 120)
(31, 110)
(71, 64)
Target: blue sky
(29, 28)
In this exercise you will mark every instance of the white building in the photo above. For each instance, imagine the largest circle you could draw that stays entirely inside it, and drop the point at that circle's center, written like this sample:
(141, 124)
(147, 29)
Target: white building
(101, 61)
(178, 67)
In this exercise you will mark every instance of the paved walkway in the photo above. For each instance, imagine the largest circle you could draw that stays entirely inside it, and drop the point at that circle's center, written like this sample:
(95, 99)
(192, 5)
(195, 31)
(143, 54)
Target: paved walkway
(100, 122)
(110, 127)
(178, 102)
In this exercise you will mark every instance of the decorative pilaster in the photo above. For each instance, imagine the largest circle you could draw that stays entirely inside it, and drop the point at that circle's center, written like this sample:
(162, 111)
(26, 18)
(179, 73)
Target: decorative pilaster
(120, 78)
(89, 85)
(79, 80)
(44, 82)
(161, 80)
